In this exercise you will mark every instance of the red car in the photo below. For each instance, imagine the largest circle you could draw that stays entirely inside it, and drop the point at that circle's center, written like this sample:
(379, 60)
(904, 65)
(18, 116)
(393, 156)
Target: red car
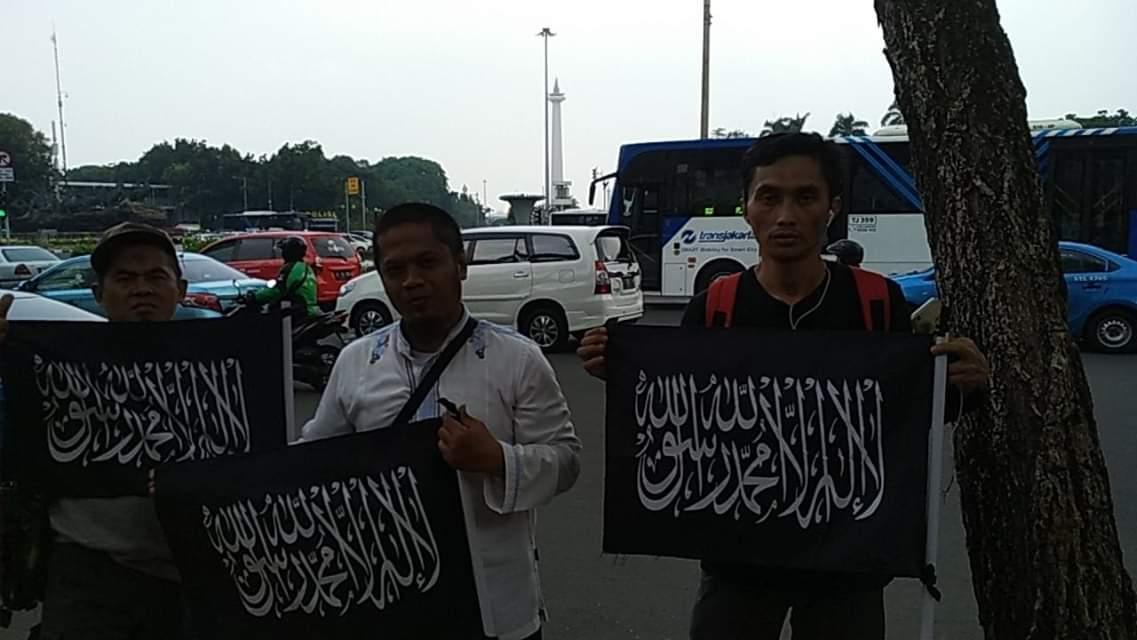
(257, 255)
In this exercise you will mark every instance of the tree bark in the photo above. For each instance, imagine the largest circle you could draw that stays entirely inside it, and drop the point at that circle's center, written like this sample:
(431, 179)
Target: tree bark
(1036, 500)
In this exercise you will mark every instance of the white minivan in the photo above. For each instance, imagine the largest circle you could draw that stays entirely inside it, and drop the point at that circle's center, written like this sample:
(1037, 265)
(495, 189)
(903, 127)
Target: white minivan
(548, 282)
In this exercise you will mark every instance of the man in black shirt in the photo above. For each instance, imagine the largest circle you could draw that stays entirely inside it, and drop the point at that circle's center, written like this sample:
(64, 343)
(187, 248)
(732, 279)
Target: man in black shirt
(792, 186)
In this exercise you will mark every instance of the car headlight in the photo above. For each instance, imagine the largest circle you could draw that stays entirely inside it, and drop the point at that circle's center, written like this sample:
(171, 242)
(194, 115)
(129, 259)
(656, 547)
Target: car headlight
(346, 289)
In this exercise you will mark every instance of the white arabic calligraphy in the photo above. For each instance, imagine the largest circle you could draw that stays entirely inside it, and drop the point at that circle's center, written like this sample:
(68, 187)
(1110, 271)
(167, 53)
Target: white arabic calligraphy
(328, 548)
(765, 448)
(141, 413)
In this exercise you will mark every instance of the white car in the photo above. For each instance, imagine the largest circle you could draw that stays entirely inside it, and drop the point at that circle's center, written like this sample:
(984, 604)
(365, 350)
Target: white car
(29, 306)
(18, 263)
(548, 282)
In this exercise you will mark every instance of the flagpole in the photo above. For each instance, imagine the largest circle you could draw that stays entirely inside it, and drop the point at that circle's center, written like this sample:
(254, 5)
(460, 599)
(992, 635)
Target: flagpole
(290, 431)
(935, 481)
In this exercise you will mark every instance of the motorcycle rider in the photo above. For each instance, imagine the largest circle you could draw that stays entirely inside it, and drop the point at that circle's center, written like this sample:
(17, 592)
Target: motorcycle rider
(296, 282)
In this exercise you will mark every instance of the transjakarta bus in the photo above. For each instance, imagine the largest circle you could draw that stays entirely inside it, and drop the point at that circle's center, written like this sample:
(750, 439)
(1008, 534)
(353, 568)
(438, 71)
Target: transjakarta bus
(578, 217)
(683, 201)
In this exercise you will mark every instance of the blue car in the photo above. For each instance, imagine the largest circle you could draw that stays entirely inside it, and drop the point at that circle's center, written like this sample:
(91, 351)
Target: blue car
(214, 287)
(1101, 290)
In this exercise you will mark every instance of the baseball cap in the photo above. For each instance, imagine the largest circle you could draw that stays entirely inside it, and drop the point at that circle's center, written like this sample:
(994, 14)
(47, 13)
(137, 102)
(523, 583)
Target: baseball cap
(128, 234)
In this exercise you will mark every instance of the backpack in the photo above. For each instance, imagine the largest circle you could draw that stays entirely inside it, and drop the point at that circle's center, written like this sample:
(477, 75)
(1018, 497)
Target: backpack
(872, 289)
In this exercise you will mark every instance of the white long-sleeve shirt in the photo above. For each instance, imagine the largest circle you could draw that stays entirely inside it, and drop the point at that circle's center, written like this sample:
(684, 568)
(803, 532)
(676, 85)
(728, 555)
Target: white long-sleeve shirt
(505, 381)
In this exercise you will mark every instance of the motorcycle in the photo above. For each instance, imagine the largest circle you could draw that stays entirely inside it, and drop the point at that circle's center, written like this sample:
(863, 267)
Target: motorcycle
(312, 358)
(313, 355)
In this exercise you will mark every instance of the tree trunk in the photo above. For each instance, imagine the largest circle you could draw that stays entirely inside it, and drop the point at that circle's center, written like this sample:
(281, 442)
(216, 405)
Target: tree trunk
(1037, 509)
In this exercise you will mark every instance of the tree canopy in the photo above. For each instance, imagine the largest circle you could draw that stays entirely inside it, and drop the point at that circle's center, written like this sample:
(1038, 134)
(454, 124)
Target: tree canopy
(30, 153)
(846, 124)
(785, 124)
(733, 133)
(892, 117)
(1103, 119)
(207, 181)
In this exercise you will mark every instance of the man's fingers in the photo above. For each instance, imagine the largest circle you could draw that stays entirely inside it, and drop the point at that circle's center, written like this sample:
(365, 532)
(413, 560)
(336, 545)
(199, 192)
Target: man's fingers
(588, 353)
(948, 348)
(594, 363)
(447, 434)
(5, 304)
(597, 333)
(591, 339)
(957, 347)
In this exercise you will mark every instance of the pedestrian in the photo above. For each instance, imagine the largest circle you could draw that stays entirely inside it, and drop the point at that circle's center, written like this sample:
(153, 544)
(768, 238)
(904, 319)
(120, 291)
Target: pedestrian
(791, 187)
(110, 574)
(510, 435)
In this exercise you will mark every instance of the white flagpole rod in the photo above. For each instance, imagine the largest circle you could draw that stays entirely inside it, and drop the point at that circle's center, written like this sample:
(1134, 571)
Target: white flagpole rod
(935, 480)
(290, 430)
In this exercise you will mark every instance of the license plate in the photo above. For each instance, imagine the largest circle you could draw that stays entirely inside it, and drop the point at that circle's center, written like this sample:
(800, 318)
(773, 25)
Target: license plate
(342, 275)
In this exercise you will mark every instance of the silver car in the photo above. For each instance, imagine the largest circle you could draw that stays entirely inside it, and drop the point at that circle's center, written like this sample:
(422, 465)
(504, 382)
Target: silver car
(29, 306)
(20, 262)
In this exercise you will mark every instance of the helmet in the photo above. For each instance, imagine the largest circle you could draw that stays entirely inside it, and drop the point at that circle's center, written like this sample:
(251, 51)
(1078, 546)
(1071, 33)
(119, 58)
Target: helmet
(293, 248)
(848, 252)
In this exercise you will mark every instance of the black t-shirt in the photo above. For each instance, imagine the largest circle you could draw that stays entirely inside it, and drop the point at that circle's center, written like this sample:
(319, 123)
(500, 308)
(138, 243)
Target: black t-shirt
(833, 306)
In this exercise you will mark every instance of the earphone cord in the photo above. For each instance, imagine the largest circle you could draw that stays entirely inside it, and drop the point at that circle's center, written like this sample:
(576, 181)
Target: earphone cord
(824, 291)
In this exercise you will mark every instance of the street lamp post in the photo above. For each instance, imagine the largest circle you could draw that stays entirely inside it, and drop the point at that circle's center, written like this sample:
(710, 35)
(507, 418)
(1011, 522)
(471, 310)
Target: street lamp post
(244, 190)
(546, 33)
(705, 116)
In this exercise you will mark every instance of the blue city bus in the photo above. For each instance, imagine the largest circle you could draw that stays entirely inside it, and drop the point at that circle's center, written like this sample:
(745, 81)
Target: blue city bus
(682, 201)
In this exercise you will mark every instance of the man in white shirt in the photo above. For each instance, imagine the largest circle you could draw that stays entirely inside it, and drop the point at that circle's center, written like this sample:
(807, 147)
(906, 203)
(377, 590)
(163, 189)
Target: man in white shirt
(513, 444)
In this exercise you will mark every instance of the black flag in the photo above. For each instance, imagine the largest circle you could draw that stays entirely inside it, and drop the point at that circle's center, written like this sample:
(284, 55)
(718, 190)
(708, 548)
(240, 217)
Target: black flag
(93, 406)
(798, 450)
(360, 536)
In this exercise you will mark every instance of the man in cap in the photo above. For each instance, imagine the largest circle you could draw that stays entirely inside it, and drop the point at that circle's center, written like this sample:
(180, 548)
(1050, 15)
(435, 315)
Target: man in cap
(110, 574)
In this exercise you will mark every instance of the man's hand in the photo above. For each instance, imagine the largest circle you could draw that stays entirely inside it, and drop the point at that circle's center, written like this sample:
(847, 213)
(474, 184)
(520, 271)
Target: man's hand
(969, 371)
(5, 304)
(591, 352)
(467, 445)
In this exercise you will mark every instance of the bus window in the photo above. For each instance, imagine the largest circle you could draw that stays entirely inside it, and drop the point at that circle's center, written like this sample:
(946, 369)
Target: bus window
(1088, 201)
(715, 192)
(575, 218)
(1066, 207)
(870, 192)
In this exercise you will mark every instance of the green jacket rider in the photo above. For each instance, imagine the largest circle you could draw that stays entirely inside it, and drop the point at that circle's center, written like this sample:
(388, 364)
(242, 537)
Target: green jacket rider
(296, 282)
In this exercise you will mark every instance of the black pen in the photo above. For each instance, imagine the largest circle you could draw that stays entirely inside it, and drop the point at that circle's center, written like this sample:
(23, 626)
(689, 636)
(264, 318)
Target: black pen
(450, 407)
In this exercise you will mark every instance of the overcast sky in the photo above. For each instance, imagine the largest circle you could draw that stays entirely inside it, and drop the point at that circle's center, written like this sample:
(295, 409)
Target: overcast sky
(460, 81)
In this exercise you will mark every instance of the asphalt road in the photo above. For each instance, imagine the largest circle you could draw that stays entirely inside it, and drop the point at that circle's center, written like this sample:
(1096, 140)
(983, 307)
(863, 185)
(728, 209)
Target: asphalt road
(600, 597)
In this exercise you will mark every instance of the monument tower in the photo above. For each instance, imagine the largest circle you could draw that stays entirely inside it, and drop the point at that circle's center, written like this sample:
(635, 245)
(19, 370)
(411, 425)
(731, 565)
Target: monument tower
(561, 198)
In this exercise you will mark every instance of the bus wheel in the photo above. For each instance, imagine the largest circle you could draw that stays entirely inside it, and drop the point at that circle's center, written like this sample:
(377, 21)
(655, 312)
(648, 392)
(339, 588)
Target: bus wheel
(714, 270)
(1113, 331)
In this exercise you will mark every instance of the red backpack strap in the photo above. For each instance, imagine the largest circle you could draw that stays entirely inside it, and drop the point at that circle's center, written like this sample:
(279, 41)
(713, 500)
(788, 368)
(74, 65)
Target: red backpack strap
(872, 289)
(720, 300)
